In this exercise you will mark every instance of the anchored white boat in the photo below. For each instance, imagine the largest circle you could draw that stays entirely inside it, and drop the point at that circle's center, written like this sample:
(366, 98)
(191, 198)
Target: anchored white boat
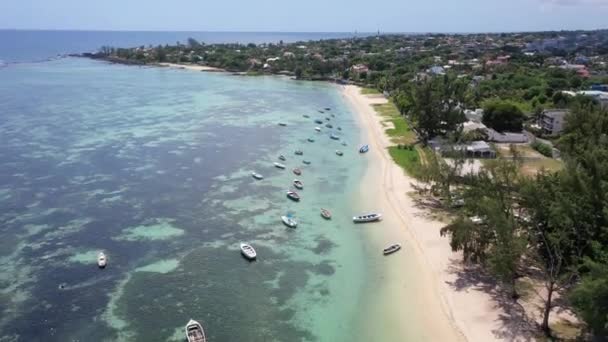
(279, 165)
(195, 332)
(289, 221)
(318, 129)
(340, 153)
(298, 184)
(364, 149)
(248, 251)
(102, 261)
(326, 214)
(391, 249)
(292, 195)
(367, 218)
(257, 175)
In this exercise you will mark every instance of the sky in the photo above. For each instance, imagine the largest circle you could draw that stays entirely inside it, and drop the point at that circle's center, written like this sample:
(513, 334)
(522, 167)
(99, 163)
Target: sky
(306, 15)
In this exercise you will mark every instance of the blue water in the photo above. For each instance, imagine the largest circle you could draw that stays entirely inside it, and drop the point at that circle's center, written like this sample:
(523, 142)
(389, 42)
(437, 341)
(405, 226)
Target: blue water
(152, 166)
(28, 46)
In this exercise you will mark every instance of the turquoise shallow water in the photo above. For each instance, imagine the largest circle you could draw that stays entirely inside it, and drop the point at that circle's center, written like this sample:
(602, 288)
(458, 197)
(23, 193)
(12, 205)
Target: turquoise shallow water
(153, 166)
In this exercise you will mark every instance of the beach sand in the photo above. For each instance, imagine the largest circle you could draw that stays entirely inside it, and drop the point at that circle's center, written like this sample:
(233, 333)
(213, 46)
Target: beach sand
(448, 303)
(192, 67)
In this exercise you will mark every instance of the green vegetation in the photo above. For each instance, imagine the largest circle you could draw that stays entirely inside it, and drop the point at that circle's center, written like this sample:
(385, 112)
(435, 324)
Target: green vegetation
(542, 148)
(503, 116)
(370, 91)
(399, 129)
(406, 157)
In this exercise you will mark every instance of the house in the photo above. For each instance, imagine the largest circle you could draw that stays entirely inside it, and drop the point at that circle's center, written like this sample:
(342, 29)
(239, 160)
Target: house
(359, 69)
(473, 149)
(552, 121)
(436, 70)
(506, 137)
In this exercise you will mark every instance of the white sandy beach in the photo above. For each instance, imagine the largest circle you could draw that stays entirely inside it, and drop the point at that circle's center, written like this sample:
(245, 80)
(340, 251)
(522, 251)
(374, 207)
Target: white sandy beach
(450, 304)
(193, 67)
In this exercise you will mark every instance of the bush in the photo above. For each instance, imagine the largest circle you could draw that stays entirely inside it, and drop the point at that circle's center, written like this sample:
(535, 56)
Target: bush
(543, 149)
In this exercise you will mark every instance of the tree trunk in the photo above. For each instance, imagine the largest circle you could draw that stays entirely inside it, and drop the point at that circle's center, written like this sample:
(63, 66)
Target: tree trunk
(547, 311)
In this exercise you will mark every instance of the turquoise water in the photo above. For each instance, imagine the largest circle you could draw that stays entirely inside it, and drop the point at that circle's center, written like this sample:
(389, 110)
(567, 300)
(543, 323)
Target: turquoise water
(153, 167)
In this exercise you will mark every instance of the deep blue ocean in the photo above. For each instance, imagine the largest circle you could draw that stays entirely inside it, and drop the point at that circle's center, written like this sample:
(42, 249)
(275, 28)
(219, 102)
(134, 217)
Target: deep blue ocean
(32, 46)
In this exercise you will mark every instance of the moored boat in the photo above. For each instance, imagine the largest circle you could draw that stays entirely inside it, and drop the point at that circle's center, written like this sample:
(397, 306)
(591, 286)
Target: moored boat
(195, 332)
(339, 128)
(282, 124)
(298, 184)
(367, 218)
(327, 108)
(340, 153)
(102, 261)
(248, 251)
(364, 149)
(318, 129)
(299, 152)
(319, 121)
(311, 140)
(335, 137)
(307, 162)
(297, 171)
(391, 249)
(282, 157)
(292, 195)
(329, 126)
(326, 214)
(289, 221)
(257, 175)
(279, 165)
(320, 111)
(306, 115)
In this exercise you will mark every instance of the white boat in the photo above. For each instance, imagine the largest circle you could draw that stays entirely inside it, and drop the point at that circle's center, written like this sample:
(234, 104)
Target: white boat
(279, 165)
(364, 149)
(257, 175)
(248, 251)
(292, 195)
(367, 218)
(298, 184)
(195, 332)
(335, 137)
(102, 261)
(391, 249)
(298, 152)
(318, 129)
(340, 153)
(289, 221)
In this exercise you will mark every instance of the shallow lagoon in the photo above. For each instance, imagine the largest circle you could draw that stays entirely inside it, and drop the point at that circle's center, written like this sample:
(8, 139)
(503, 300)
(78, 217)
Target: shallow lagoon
(153, 166)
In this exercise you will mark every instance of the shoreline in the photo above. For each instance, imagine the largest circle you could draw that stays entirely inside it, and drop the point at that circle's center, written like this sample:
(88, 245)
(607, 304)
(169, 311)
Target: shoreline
(192, 67)
(453, 309)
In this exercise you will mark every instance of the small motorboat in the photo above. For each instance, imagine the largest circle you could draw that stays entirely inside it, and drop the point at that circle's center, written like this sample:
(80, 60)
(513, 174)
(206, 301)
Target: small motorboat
(364, 149)
(102, 261)
(318, 129)
(329, 126)
(335, 137)
(297, 171)
(292, 195)
(282, 157)
(289, 221)
(311, 140)
(339, 128)
(248, 251)
(340, 153)
(195, 332)
(282, 124)
(306, 115)
(298, 184)
(391, 249)
(279, 165)
(326, 214)
(327, 108)
(299, 152)
(257, 175)
(367, 218)
(319, 121)
(307, 162)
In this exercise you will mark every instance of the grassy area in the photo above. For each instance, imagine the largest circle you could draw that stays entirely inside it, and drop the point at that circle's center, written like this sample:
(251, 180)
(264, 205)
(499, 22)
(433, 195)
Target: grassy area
(370, 91)
(408, 159)
(398, 129)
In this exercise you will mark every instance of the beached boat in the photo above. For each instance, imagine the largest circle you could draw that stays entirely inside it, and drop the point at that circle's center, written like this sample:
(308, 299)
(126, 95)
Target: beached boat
(248, 251)
(279, 165)
(299, 152)
(311, 140)
(326, 214)
(298, 184)
(102, 261)
(297, 171)
(289, 221)
(292, 195)
(318, 129)
(391, 249)
(340, 153)
(367, 218)
(257, 175)
(329, 126)
(195, 332)
(282, 124)
(319, 121)
(282, 157)
(307, 162)
(364, 149)
(335, 137)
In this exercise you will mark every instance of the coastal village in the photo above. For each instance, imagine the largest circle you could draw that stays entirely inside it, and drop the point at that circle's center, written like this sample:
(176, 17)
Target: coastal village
(502, 135)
